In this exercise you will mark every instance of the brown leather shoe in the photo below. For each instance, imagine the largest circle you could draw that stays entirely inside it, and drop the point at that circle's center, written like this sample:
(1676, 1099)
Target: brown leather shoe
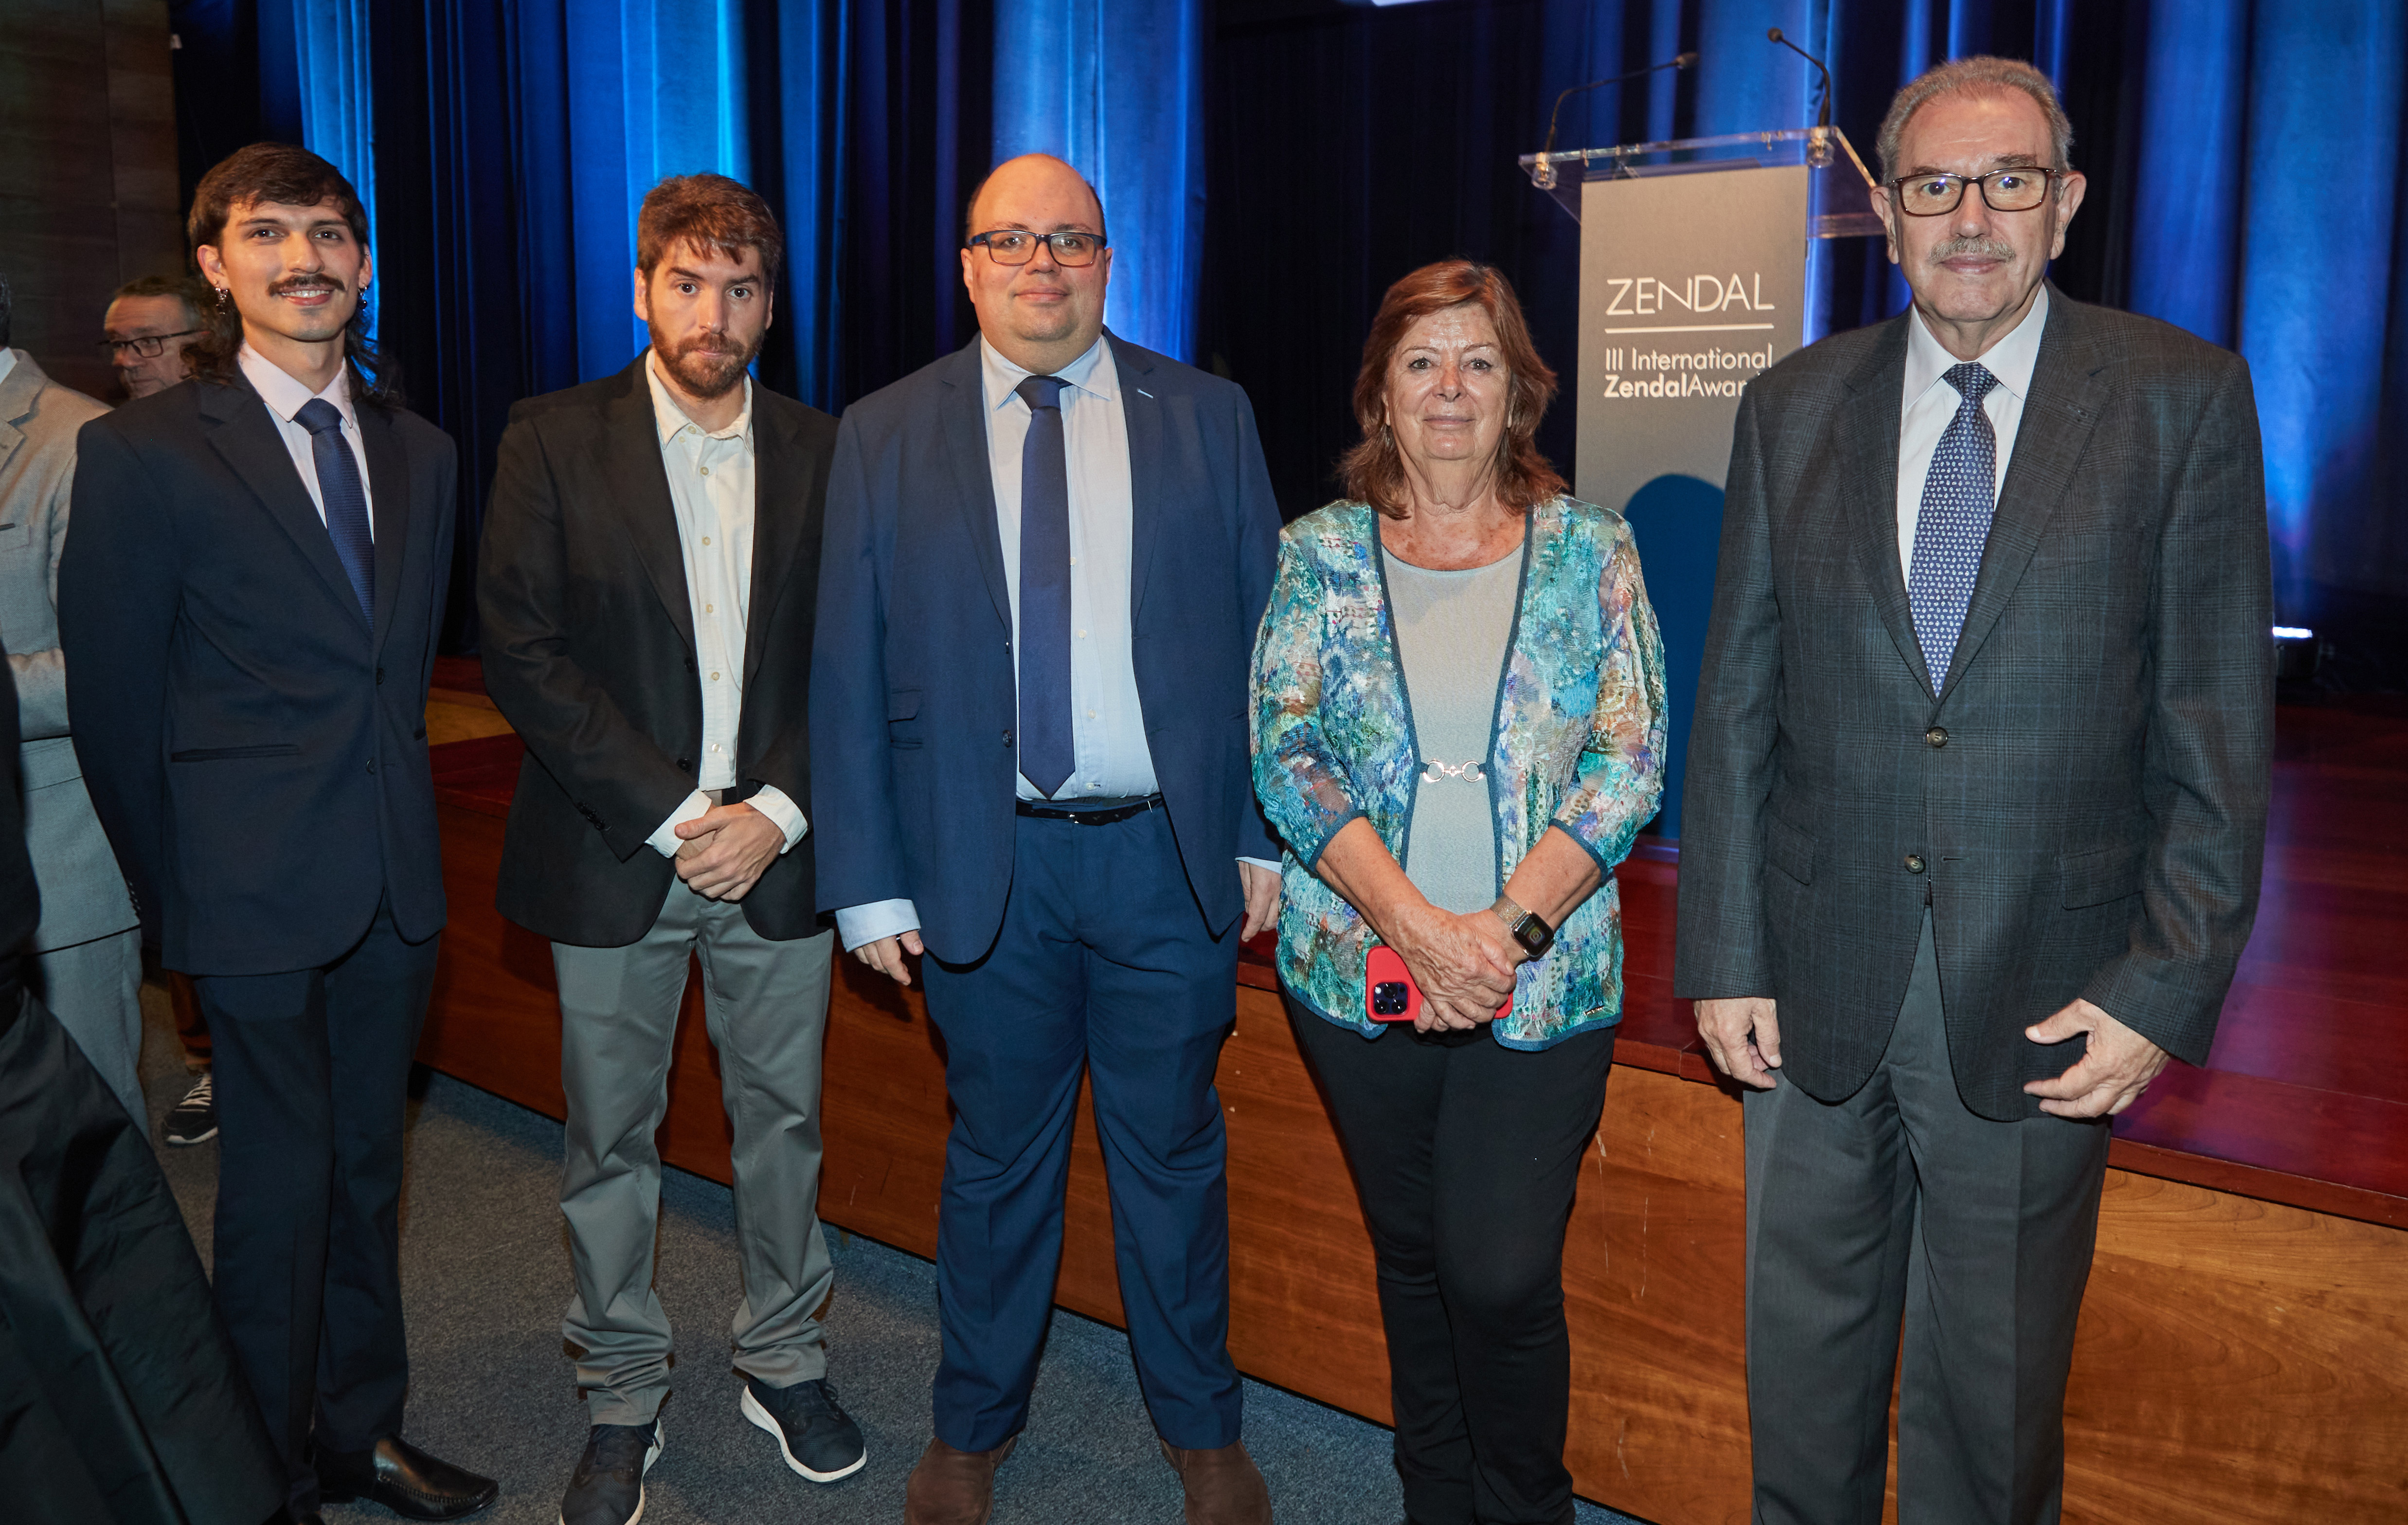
(1224, 1485)
(954, 1488)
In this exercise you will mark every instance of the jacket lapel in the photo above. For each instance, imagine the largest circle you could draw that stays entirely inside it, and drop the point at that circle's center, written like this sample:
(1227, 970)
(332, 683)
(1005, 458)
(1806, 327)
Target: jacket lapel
(17, 395)
(244, 434)
(638, 484)
(389, 493)
(2058, 418)
(1866, 430)
(963, 410)
(1141, 415)
(779, 494)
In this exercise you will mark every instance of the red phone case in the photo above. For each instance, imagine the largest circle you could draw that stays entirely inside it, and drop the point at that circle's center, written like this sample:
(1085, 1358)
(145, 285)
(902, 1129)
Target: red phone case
(1385, 967)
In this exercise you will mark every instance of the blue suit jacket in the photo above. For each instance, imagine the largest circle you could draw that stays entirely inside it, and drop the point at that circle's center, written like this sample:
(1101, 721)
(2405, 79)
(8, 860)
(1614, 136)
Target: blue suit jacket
(255, 747)
(912, 696)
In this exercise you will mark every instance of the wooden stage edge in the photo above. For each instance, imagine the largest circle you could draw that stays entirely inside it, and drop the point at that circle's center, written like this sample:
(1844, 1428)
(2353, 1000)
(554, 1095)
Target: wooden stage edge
(2243, 1349)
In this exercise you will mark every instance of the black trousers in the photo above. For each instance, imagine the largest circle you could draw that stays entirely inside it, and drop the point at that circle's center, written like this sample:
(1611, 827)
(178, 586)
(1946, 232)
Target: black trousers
(1465, 1154)
(311, 1069)
(119, 1396)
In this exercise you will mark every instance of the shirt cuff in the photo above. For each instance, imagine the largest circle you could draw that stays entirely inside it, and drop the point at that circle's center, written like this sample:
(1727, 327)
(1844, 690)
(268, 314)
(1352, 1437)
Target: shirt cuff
(859, 924)
(771, 801)
(665, 841)
(1263, 863)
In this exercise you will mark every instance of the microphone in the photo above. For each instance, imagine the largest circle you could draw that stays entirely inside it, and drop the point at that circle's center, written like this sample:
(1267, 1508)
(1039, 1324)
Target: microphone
(1684, 60)
(1774, 36)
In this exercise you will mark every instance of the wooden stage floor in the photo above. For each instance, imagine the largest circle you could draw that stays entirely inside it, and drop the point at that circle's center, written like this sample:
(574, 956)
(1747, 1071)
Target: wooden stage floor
(2244, 1350)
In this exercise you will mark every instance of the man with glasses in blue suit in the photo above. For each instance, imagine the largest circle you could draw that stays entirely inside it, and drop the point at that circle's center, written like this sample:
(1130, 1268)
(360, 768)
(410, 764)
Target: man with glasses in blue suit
(1046, 557)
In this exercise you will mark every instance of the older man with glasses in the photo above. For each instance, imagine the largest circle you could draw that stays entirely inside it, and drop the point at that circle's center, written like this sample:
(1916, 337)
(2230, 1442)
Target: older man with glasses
(148, 326)
(1976, 803)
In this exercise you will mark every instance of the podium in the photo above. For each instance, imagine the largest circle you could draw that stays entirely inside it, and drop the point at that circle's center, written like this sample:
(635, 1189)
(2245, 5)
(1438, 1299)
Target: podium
(1696, 275)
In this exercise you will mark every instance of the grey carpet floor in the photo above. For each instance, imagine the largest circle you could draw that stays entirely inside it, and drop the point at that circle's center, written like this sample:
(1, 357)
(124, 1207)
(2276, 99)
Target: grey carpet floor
(485, 1277)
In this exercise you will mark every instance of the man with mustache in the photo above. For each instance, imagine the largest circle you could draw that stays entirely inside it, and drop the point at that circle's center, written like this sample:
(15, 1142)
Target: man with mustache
(647, 585)
(1976, 802)
(249, 608)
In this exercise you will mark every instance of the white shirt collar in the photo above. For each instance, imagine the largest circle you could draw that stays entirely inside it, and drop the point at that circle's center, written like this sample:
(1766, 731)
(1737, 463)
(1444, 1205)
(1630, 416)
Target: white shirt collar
(669, 417)
(2010, 359)
(7, 362)
(285, 395)
(1089, 373)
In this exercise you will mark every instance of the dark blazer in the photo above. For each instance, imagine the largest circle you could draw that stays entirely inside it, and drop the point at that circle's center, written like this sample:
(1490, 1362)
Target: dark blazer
(588, 635)
(2086, 800)
(256, 747)
(913, 693)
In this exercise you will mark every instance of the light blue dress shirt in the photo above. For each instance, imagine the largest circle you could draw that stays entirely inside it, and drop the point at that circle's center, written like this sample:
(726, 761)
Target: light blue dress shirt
(1111, 757)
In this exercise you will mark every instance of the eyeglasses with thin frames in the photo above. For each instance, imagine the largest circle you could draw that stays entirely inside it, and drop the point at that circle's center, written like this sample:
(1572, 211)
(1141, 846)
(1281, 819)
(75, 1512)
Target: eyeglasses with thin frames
(2018, 188)
(147, 346)
(1018, 246)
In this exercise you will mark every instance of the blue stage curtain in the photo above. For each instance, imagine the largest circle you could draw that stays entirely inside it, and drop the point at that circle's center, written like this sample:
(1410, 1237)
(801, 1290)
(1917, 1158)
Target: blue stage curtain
(2320, 287)
(1116, 90)
(330, 46)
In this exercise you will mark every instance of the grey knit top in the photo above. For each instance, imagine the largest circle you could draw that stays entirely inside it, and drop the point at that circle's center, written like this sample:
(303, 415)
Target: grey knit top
(1451, 633)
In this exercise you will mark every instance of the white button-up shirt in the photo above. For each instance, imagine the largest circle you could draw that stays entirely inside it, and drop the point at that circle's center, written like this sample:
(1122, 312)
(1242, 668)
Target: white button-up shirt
(1929, 403)
(712, 488)
(1110, 755)
(285, 395)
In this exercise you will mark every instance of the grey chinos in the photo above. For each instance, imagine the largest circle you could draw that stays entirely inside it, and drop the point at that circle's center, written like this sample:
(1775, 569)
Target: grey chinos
(1903, 1200)
(766, 1006)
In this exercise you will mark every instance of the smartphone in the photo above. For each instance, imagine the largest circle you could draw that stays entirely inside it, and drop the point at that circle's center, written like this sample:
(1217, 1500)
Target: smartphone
(1389, 994)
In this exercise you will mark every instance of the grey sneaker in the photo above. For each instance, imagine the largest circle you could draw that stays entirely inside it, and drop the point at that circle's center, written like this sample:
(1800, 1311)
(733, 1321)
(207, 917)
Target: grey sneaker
(817, 1438)
(607, 1488)
(194, 1119)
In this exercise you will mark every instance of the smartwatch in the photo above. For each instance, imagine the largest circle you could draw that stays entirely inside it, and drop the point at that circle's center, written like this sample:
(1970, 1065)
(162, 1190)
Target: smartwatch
(1535, 936)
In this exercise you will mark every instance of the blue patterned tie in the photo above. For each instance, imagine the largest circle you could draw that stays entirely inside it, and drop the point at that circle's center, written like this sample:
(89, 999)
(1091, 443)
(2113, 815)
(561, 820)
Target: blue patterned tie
(1958, 498)
(346, 499)
(1047, 752)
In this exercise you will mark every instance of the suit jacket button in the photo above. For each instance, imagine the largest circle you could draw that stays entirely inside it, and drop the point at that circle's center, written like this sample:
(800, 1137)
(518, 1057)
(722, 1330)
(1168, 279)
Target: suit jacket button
(372, 765)
(1915, 862)
(685, 764)
(1937, 735)
(1007, 739)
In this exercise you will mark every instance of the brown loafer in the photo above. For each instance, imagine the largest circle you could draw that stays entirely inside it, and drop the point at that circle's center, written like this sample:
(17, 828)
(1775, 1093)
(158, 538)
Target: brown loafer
(1224, 1485)
(951, 1486)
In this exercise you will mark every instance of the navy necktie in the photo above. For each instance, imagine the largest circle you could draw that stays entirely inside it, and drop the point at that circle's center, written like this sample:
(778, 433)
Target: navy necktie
(1960, 496)
(345, 497)
(1047, 753)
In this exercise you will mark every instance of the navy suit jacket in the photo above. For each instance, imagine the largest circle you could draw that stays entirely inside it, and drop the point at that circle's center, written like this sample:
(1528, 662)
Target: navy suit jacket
(913, 762)
(254, 745)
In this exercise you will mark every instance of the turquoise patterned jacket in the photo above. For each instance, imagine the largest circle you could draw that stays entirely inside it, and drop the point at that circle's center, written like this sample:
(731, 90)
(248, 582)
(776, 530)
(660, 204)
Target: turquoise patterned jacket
(1578, 745)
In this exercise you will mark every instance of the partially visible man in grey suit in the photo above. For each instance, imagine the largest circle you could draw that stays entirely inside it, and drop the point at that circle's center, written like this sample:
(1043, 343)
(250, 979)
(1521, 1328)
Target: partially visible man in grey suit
(88, 963)
(1976, 803)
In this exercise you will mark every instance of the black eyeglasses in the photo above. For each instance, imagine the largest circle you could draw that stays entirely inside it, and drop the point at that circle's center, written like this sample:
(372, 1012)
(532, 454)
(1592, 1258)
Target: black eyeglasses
(2017, 189)
(1018, 246)
(147, 346)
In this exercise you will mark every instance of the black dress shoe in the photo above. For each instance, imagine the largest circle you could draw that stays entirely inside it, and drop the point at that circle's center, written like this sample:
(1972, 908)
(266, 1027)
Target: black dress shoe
(404, 1479)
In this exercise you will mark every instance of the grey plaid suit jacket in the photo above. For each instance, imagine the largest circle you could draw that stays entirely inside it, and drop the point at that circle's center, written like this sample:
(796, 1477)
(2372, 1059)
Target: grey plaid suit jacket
(2086, 800)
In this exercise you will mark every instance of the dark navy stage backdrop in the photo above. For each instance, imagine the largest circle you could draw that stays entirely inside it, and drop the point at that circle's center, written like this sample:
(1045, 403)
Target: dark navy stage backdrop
(2244, 154)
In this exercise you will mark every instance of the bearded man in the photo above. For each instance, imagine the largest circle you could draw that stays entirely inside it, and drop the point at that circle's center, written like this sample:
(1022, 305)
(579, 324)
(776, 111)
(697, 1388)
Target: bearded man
(648, 586)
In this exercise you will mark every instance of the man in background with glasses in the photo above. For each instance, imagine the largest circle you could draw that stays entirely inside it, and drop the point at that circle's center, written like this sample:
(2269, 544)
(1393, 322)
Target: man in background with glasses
(1046, 557)
(1976, 802)
(147, 326)
(87, 963)
(144, 334)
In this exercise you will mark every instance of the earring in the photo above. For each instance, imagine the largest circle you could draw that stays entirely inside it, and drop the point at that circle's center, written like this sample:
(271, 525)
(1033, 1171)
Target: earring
(224, 296)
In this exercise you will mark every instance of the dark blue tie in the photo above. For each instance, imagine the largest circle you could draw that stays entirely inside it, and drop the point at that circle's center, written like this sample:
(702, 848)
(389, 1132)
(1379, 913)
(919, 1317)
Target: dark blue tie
(1958, 498)
(1047, 753)
(346, 499)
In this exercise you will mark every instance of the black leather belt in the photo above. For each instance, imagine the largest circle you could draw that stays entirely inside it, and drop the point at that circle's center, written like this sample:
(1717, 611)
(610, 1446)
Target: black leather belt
(1087, 811)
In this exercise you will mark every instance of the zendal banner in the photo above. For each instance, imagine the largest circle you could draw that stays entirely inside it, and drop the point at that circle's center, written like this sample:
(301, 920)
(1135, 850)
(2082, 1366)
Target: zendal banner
(1692, 283)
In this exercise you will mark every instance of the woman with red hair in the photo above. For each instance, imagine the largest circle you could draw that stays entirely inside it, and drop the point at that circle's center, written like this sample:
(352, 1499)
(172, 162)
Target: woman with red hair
(1458, 728)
